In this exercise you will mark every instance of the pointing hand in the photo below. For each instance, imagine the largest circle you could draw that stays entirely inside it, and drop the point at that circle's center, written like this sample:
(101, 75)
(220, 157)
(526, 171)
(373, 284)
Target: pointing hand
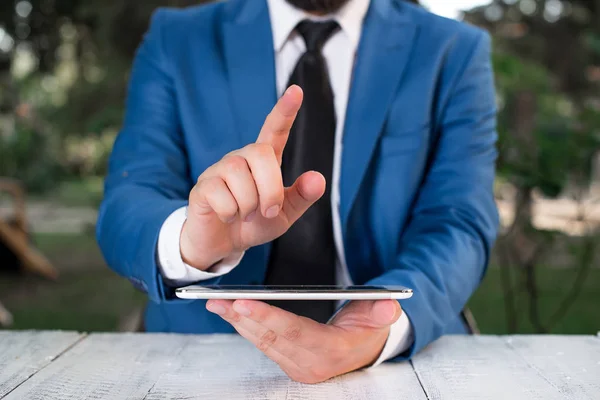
(240, 201)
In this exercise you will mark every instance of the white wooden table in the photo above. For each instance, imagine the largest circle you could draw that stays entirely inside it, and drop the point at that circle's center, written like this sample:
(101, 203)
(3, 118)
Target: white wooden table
(67, 365)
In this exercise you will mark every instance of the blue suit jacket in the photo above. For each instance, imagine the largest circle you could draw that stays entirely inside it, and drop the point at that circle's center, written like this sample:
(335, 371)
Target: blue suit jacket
(417, 207)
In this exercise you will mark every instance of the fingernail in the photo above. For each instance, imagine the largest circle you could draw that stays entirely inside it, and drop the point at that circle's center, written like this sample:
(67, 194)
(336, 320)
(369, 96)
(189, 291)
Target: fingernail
(272, 212)
(250, 216)
(242, 310)
(232, 219)
(216, 308)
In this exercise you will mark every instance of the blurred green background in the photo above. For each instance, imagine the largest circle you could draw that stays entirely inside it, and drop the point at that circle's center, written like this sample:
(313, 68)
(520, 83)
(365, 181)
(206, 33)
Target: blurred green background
(64, 67)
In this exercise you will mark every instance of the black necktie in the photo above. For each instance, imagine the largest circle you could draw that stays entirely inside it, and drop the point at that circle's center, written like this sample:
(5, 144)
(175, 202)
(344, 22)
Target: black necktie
(305, 255)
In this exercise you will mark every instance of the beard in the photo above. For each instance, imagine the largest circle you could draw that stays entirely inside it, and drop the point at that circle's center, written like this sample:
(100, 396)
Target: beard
(318, 6)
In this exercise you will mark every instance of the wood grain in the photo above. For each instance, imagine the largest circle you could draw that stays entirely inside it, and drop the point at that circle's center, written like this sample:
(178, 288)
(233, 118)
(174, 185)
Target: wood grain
(571, 364)
(479, 367)
(55, 365)
(236, 370)
(22, 354)
(162, 366)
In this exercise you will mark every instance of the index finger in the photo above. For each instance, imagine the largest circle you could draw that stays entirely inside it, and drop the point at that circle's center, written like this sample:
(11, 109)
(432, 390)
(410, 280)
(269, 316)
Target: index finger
(298, 330)
(277, 126)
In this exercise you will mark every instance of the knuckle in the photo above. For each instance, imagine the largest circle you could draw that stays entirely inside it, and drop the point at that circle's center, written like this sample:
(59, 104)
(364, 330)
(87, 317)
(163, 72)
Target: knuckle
(207, 185)
(247, 204)
(203, 190)
(248, 207)
(228, 215)
(234, 163)
(263, 150)
(195, 210)
(280, 130)
(195, 193)
(278, 115)
(232, 153)
(292, 333)
(249, 200)
(267, 340)
(275, 114)
(225, 211)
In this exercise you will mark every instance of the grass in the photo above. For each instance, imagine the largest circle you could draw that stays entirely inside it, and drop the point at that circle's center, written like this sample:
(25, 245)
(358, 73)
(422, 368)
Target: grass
(487, 304)
(90, 297)
(57, 245)
(87, 297)
(90, 301)
(77, 193)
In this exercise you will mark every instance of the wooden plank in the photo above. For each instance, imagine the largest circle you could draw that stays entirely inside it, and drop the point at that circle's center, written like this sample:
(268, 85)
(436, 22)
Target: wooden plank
(162, 366)
(479, 367)
(23, 354)
(571, 363)
(236, 370)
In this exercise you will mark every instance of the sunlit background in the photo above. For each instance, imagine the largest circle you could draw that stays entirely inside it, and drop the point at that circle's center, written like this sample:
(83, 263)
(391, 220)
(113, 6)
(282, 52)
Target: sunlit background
(452, 8)
(64, 67)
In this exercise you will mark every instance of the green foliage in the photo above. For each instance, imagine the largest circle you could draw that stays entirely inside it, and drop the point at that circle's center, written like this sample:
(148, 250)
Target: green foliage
(82, 52)
(560, 143)
(548, 85)
(30, 159)
(548, 89)
(514, 73)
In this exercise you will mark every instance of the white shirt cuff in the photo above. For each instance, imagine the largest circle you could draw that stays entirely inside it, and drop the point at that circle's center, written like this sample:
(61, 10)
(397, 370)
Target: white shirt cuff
(399, 340)
(170, 262)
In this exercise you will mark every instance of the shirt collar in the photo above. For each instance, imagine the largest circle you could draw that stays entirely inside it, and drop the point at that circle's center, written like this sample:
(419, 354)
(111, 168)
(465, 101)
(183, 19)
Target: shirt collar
(285, 17)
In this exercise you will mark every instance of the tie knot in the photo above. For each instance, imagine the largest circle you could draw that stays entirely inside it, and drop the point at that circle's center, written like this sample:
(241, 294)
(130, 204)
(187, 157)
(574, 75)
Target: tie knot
(316, 33)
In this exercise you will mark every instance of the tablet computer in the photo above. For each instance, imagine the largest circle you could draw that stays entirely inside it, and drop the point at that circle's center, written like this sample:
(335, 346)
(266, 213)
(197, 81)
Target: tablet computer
(306, 292)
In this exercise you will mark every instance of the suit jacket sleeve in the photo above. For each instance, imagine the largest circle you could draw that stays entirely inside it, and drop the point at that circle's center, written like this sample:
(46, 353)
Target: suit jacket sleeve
(444, 250)
(148, 176)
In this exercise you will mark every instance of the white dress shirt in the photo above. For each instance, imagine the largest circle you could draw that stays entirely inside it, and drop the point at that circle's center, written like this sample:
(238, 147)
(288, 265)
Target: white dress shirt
(339, 52)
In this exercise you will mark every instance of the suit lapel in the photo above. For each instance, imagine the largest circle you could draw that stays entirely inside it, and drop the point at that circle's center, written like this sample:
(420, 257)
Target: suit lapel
(249, 58)
(250, 62)
(383, 53)
(384, 50)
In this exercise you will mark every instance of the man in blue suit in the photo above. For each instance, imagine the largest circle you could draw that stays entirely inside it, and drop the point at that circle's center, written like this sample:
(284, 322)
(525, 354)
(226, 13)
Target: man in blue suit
(375, 167)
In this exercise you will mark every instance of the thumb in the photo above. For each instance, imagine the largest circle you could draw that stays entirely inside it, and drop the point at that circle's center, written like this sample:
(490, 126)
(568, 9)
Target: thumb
(371, 314)
(305, 192)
